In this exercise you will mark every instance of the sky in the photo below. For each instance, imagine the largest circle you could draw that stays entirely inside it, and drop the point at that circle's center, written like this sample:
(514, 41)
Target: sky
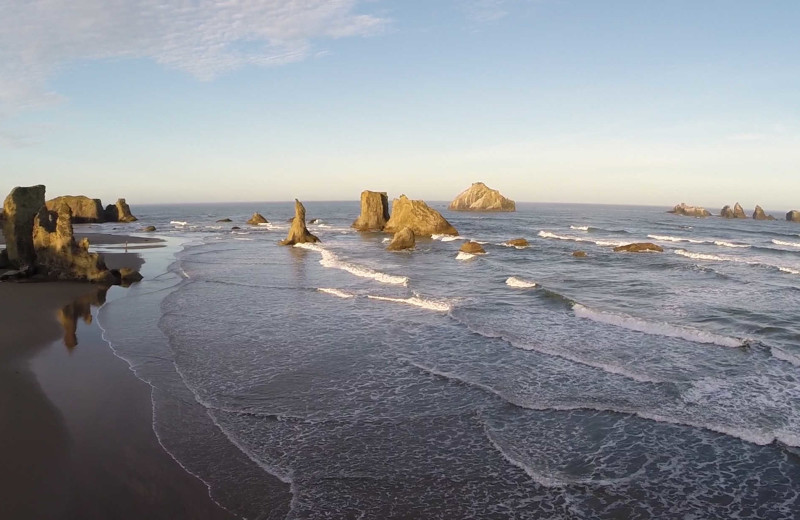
(614, 101)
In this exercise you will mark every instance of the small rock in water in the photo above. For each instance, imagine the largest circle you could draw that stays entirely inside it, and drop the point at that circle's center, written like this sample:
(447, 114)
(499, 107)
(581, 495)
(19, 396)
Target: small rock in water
(640, 247)
(472, 248)
(579, 254)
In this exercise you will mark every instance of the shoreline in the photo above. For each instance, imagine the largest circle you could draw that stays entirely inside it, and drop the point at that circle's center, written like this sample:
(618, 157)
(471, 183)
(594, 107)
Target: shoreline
(78, 420)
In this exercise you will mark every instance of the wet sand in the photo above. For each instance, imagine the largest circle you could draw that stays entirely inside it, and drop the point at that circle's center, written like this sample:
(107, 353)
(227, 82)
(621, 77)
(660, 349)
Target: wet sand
(76, 438)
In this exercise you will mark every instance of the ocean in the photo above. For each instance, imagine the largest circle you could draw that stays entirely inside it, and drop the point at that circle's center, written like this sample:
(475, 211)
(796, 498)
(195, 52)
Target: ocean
(339, 380)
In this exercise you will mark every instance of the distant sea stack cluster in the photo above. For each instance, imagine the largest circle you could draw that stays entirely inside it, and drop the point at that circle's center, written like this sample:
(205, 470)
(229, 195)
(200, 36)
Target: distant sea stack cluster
(735, 212)
(40, 242)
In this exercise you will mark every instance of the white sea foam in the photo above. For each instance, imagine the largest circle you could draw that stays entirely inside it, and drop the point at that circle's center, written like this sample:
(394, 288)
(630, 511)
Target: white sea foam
(329, 259)
(784, 243)
(264, 224)
(788, 270)
(464, 256)
(729, 244)
(447, 238)
(783, 355)
(336, 292)
(580, 228)
(655, 328)
(178, 222)
(387, 239)
(667, 238)
(239, 233)
(520, 283)
(243, 238)
(699, 256)
(606, 243)
(425, 303)
(272, 227)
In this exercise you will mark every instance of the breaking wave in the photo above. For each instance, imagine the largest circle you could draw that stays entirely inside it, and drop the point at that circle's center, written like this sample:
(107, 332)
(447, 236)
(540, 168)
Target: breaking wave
(329, 259)
(784, 243)
(656, 328)
(417, 301)
(606, 243)
(336, 292)
(520, 283)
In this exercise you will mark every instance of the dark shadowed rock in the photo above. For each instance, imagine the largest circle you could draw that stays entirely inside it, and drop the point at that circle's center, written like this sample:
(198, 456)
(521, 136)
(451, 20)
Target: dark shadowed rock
(224, 220)
(149, 229)
(119, 212)
(257, 219)
(480, 197)
(690, 211)
(374, 211)
(59, 257)
(403, 239)
(472, 248)
(518, 242)
(793, 216)
(422, 219)
(234, 228)
(640, 247)
(84, 210)
(759, 214)
(579, 254)
(298, 233)
(20, 209)
(128, 276)
(4, 263)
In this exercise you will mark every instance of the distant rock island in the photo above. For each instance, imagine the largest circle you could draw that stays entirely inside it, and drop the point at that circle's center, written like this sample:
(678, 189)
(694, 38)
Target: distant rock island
(480, 197)
(690, 211)
(86, 210)
(793, 216)
(759, 214)
(374, 211)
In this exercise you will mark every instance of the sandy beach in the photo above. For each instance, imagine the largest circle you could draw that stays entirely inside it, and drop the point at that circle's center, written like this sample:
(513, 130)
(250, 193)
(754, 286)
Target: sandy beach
(76, 424)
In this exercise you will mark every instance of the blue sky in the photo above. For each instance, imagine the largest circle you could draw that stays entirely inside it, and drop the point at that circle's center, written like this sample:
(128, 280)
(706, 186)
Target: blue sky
(639, 102)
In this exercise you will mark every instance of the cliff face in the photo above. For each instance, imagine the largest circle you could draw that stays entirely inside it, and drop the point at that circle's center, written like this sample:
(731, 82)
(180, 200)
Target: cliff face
(374, 211)
(419, 217)
(479, 197)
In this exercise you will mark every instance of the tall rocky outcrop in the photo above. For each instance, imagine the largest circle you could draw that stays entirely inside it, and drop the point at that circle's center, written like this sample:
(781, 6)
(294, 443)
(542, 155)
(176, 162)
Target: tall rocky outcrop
(20, 208)
(374, 211)
(119, 212)
(403, 239)
(736, 212)
(59, 257)
(298, 233)
(689, 211)
(759, 214)
(793, 216)
(84, 210)
(480, 197)
(421, 218)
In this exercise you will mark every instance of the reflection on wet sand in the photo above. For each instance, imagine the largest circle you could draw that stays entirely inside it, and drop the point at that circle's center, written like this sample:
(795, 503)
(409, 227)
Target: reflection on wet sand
(81, 308)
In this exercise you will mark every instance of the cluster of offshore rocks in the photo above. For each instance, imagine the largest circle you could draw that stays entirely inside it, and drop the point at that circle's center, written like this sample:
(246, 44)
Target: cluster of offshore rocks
(40, 243)
(730, 212)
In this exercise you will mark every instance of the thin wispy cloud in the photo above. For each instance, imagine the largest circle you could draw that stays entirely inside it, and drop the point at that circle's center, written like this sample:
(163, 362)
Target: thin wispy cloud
(204, 38)
(485, 10)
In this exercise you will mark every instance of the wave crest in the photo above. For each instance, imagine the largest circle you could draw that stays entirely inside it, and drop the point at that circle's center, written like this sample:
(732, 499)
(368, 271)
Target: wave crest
(520, 283)
(329, 259)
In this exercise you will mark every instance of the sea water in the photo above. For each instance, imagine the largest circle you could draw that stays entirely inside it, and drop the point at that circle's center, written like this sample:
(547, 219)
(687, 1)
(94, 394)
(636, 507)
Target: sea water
(340, 380)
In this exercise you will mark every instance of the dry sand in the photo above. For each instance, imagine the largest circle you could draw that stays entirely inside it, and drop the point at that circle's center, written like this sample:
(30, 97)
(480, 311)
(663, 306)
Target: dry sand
(76, 438)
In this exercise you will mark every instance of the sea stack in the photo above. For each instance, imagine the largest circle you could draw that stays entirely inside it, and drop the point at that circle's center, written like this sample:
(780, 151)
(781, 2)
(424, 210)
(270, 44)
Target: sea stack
(690, 211)
(421, 218)
(258, 218)
(119, 212)
(793, 216)
(403, 239)
(736, 212)
(759, 214)
(20, 208)
(480, 197)
(298, 234)
(374, 211)
(59, 257)
(84, 210)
